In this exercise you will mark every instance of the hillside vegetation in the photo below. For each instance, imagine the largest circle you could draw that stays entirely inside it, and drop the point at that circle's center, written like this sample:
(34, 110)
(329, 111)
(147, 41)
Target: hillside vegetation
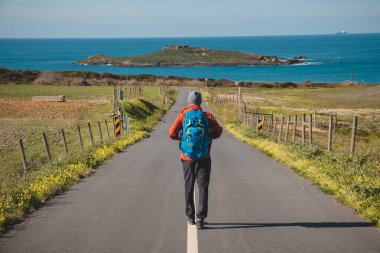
(88, 78)
(188, 56)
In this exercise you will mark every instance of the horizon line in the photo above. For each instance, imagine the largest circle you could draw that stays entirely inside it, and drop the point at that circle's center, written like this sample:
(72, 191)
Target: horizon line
(173, 37)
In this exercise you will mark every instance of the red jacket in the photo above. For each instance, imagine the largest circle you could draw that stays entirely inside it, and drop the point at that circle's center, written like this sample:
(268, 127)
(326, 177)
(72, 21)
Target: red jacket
(177, 126)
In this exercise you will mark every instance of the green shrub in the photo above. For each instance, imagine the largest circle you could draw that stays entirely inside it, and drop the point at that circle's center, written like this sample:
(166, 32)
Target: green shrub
(20, 197)
(354, 181)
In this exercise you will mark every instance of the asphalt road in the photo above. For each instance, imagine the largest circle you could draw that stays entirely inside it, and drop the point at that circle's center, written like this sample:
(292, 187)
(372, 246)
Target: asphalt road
(135, 203)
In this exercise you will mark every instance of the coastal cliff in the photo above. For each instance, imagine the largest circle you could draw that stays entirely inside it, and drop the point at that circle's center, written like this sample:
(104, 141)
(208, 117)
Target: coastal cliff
(183, 55)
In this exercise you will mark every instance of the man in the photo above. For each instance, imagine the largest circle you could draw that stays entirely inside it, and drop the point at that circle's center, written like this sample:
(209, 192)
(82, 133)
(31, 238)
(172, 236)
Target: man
(195, 129)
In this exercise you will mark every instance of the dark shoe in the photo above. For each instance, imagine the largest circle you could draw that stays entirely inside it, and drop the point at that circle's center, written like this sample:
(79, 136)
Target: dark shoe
(191, 220)
(200, 223)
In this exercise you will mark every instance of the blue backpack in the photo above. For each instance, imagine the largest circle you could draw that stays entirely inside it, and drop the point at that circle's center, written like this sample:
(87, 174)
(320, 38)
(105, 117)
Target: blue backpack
(195, 140)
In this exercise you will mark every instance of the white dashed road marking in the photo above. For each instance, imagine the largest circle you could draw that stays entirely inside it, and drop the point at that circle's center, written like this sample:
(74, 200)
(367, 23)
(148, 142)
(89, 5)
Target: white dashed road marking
(192, 236)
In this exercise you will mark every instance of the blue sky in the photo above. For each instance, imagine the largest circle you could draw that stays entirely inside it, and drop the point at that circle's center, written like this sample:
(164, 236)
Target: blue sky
(185, 18)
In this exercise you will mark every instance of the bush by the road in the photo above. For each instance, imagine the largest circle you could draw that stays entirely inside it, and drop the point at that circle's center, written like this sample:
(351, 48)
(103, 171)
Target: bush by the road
(20, 197)
(355, 181)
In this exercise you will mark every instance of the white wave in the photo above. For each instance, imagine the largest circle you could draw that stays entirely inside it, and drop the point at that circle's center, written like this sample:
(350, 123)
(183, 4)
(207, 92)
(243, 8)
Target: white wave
(307, 63)
(307, 59)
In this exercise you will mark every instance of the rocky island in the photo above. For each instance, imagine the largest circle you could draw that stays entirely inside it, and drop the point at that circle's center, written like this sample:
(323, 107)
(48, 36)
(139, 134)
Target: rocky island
(183, 55)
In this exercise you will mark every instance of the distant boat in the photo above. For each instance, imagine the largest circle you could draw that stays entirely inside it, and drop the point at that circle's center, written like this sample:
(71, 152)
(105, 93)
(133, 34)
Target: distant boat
(341, 33)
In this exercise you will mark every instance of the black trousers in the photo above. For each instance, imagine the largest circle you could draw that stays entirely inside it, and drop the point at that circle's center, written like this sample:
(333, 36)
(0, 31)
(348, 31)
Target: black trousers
(196, 170)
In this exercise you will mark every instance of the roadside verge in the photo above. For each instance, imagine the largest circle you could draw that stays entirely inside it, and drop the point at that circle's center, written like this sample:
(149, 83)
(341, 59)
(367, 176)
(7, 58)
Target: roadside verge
(21, 198)
(354, 181)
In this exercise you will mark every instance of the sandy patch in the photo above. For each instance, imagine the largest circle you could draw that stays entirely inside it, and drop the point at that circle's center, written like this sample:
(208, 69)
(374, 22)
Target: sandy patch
(26, 109)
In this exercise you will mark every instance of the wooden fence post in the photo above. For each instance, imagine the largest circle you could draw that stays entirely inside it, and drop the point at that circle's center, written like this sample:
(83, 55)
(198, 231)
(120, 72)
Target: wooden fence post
(303, 128)
(280, 132)
(90, 133)
(311, 129)
(354, 126)
(239, 102)
(128, 129)
(268, 126)
(274, 127)
(287, 128)
(80, 138)
(23, 157)
(263, 120)
(108, 131)
(100, 133)
(46, 145)
(329, 140)
(64, 141)
(294, 129)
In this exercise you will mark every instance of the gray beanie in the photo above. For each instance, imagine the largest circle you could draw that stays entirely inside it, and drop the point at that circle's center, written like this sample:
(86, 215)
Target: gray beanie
(195, 98)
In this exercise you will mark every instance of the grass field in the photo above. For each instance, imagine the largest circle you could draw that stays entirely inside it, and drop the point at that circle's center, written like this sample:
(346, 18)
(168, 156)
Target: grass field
(297, 99)
(343, 103)
(22, 118)
(354, 180)
(86, 93)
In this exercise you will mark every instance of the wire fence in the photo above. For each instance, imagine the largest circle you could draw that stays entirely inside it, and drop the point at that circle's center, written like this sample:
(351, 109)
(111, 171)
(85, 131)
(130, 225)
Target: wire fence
(137, 92)
(67, 141)
(46, 146)
(332, 132)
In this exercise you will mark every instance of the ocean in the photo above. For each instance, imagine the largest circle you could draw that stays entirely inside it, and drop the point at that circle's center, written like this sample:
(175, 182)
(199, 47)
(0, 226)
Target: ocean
(331, 58)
